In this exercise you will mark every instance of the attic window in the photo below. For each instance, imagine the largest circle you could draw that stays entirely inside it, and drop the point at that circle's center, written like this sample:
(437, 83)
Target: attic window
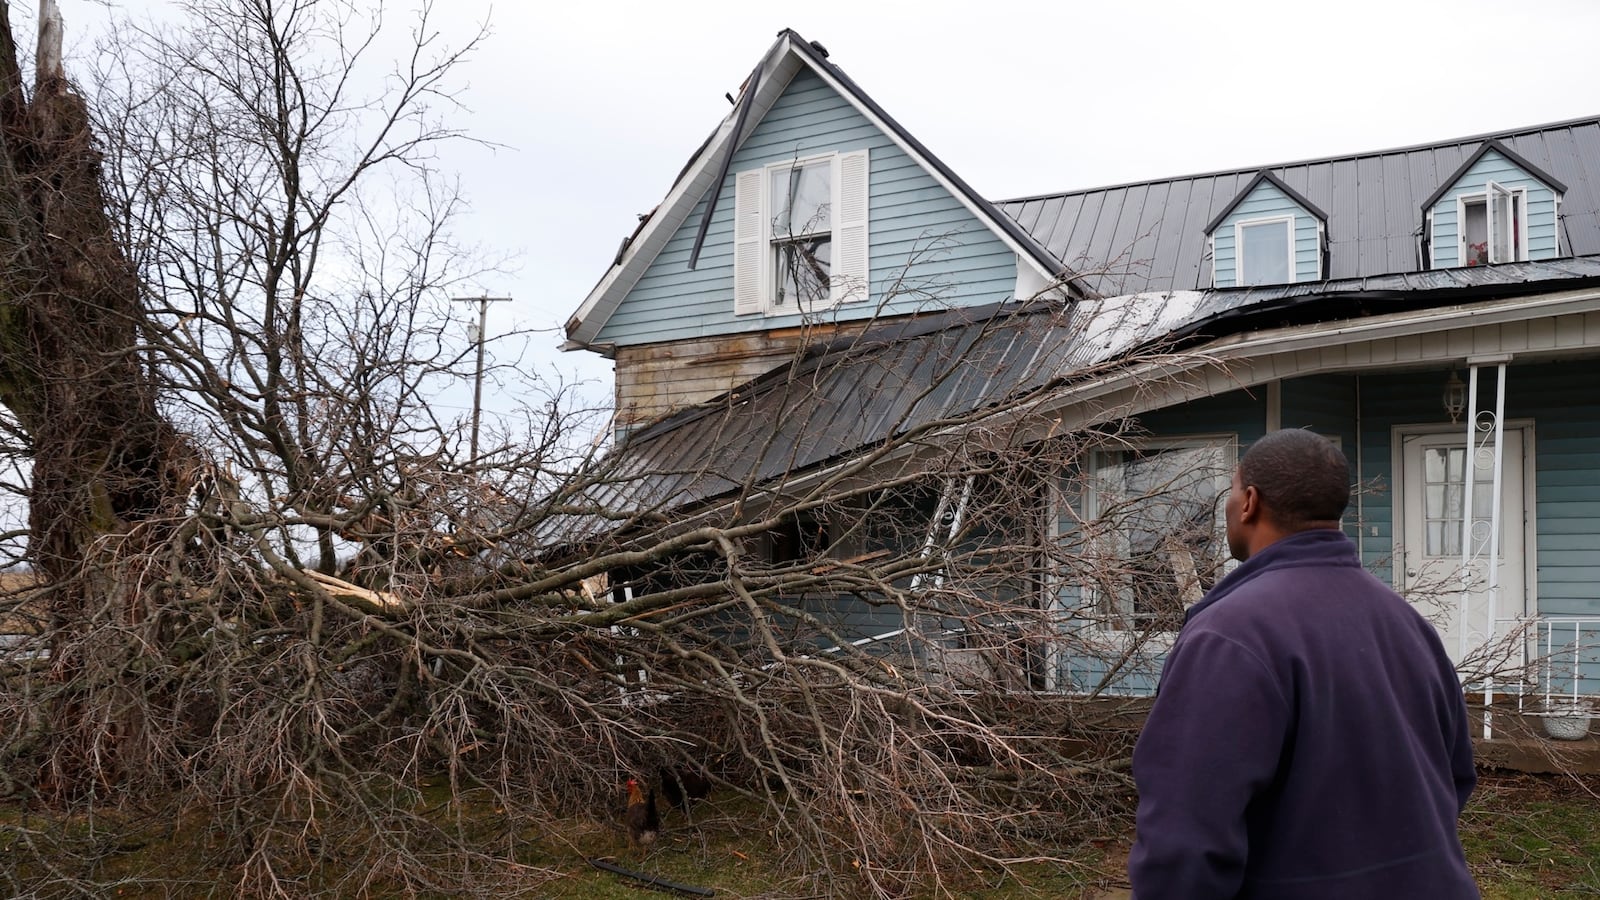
(802, 233)
(1265, 248)
(1492, 226)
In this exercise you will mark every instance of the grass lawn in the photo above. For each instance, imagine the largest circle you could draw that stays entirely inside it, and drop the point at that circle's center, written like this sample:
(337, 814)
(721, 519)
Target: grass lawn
(1534, 836)
(1527, 836)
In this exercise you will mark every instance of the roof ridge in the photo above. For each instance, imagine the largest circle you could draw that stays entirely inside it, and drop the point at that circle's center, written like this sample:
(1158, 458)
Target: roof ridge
(1502, 134)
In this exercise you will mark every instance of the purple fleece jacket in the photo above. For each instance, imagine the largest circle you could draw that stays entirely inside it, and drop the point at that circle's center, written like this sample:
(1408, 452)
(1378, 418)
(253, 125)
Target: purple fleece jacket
(1309, 740)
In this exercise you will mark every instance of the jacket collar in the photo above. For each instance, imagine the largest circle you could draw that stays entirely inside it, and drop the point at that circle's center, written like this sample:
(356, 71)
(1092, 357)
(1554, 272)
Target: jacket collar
(1324, 546)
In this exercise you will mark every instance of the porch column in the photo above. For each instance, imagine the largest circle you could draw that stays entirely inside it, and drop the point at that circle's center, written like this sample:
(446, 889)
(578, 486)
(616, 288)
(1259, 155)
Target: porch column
(1485, 440)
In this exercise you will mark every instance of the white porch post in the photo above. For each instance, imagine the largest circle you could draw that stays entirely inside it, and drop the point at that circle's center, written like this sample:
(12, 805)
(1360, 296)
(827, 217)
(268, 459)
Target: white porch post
(1485, 439)
(1468, 472)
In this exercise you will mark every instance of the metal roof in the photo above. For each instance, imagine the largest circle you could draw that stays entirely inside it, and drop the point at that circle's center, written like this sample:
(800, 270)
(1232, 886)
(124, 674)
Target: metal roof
(1150, 235)
(931, 373)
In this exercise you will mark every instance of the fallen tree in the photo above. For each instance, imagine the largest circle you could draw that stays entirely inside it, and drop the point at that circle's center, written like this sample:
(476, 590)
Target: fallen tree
(275, 592)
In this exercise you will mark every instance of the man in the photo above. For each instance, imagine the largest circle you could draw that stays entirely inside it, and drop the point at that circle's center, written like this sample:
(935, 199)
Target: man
(1310, 738)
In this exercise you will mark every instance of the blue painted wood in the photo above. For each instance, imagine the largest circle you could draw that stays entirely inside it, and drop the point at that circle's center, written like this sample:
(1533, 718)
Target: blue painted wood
(1541, 210)
(926, 250)
(1266, 201)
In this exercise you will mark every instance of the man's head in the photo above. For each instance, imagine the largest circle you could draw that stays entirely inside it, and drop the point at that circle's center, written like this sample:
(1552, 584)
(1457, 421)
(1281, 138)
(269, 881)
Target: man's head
(1287, 482)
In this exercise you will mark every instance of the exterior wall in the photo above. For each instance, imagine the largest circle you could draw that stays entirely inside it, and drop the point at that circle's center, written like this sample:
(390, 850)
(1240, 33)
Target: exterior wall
(656, 379)
(1267, 201)
(1541, 205)
(926, 250)
(1566, 412)
(1327, 405)
(1361, 411)
(1566, 459)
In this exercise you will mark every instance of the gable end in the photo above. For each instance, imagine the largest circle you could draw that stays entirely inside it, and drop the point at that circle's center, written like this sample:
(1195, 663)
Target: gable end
(1516, 159)
(1250, 188)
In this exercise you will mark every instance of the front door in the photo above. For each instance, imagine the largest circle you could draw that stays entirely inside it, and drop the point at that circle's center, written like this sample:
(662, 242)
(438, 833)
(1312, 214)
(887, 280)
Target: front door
(1433, 488)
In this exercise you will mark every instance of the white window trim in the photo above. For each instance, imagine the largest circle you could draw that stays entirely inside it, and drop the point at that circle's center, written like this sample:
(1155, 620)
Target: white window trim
(1519, 197)
(1227, 446)
(1288, 221)
(847, 284)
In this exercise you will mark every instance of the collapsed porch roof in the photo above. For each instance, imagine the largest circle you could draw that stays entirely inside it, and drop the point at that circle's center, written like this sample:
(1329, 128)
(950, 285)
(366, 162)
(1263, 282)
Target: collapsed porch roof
(916, 383)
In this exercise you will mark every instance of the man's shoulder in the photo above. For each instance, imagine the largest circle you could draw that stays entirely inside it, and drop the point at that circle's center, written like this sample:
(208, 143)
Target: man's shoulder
(1293, 593)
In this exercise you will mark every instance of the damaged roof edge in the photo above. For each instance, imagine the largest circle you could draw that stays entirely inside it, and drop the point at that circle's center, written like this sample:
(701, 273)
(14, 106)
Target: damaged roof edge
(584, 324)
(1047, 262)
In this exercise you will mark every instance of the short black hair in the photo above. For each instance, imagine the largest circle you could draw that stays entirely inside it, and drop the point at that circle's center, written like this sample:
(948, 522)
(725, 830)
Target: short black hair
(1303, 479)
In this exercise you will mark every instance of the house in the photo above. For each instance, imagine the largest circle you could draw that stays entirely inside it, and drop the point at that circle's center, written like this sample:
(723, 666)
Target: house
(1434, 309)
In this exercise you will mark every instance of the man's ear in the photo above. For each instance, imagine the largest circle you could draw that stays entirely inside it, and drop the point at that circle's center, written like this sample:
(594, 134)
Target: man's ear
(1250, 505)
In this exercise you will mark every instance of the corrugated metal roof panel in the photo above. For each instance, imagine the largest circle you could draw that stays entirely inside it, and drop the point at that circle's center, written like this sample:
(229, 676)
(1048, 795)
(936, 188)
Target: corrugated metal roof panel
(1373, 202)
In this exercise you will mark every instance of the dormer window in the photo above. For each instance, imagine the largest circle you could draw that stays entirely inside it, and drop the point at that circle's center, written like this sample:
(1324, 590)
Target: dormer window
(1492, 225)
(1495, 208)
(1268, 234)
(1265, 250)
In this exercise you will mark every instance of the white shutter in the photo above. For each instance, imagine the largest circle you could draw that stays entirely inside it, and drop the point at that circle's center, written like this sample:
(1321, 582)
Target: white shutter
(749, 243)
(849, 276)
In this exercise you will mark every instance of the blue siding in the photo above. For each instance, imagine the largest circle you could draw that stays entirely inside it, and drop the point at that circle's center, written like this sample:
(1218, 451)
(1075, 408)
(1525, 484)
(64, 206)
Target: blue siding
(1326, 404)
(926, 250)
(1556, 397)
(1387, 401)
(1541, 206)
(1562, 402)
(1265, 202)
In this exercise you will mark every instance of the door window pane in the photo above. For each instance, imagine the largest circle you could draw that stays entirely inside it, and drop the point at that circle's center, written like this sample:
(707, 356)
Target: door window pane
(1443, 489)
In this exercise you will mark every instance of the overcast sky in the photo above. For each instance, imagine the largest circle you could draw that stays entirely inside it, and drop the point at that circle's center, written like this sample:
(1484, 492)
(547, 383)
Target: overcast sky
(597, 105)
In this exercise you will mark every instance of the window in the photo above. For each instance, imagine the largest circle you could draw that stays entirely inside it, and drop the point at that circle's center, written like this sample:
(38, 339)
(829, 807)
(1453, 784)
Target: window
(1264, 250)
(1159, 511)
(1492, 225)
(800, 234)
(1444, 488)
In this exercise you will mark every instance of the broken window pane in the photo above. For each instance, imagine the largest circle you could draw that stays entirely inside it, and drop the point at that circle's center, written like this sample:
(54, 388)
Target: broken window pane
(802, 200)
(803, 268)
(1163, 510)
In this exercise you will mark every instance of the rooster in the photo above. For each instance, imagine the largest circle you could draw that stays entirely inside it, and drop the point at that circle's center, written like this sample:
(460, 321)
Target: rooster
(642, 817)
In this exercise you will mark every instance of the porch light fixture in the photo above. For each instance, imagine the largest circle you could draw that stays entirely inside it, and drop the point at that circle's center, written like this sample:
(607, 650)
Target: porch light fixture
(1455, 396)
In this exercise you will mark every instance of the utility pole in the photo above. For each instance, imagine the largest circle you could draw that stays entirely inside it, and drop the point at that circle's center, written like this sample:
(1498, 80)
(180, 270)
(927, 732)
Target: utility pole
(477, 379)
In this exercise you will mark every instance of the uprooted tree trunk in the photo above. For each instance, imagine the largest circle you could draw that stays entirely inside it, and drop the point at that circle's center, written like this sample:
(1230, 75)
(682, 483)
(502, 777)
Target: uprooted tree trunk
(71, 371)
(107, 468)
